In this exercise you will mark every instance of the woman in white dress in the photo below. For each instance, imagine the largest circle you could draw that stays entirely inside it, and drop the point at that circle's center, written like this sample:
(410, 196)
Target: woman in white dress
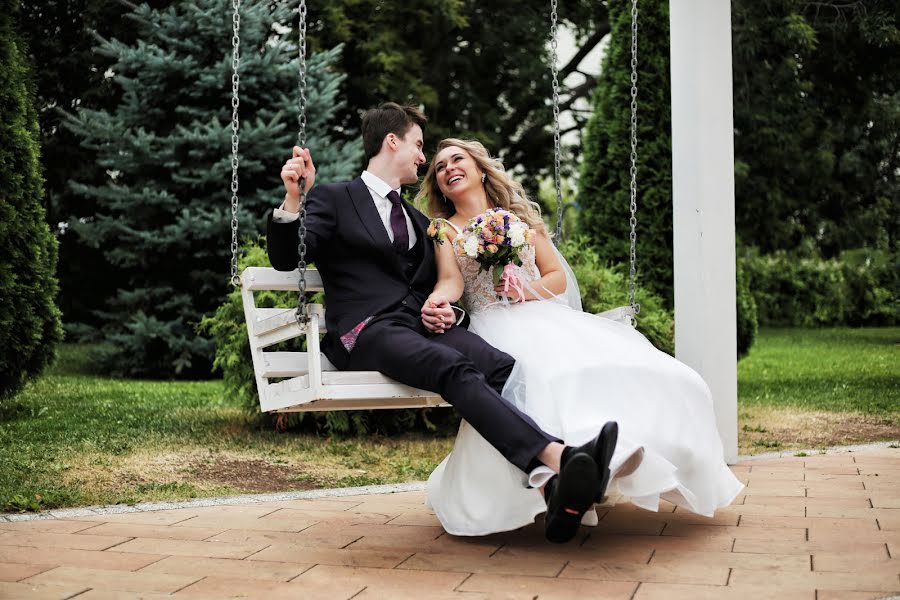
(574, 373)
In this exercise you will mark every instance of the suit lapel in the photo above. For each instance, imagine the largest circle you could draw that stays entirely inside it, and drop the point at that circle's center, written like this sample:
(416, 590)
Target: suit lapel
(420, 224)
(368, 214)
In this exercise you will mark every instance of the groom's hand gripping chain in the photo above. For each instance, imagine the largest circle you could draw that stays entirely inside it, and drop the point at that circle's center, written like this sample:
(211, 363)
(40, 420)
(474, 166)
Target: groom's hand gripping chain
(299, 167)
(437, 314)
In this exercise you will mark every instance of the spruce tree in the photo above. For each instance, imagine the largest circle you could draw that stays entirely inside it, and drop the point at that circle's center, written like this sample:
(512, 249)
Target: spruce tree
(29, 319)
(163, 214)
(603, 193)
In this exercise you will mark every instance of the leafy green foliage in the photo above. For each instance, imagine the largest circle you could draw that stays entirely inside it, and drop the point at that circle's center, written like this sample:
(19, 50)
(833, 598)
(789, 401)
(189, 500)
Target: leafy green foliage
(29, 318)
(162, 213)
(603, 189)
(859, 288)
(604, 287)
(747, 313)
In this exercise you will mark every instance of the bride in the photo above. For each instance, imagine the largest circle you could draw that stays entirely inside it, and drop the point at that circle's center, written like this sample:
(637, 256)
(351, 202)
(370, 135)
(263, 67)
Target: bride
(574, 372)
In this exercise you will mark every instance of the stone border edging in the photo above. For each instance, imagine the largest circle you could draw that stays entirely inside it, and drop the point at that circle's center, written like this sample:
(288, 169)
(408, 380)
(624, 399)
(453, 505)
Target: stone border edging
(391, 488)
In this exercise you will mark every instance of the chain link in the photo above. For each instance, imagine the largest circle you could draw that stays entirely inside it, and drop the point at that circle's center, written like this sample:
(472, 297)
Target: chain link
(235, 135)
(633, 221)
(302, 316)
(554, 45)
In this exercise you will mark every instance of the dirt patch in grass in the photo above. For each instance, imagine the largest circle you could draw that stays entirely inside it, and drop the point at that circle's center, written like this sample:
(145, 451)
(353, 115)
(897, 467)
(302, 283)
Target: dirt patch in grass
(251, 475)
(766, 429)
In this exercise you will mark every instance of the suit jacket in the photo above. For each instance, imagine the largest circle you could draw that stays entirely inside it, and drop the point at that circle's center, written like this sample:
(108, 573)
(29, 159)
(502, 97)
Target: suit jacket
(363, 275)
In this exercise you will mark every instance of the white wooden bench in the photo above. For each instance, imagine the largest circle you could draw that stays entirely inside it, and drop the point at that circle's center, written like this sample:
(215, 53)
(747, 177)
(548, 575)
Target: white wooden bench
(307, 381)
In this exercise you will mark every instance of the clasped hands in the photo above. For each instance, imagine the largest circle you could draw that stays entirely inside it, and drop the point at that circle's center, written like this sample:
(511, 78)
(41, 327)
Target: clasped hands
(437, 314)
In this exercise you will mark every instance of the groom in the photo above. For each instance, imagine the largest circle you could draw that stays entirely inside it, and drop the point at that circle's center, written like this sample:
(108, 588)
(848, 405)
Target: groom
(389, 312)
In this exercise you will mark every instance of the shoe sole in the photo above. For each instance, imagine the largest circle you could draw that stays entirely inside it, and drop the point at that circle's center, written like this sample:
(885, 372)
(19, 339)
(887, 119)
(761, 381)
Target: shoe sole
(603, 453)
(575, 492)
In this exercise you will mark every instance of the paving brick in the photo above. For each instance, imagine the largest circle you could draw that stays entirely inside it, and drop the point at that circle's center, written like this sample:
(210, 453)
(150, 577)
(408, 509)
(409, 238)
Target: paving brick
(871, 582)
(76, 558)
(17, 571)
(409, 532)
(347, 517)
(113, 580)
(61, 540)
(548, 587)
(676, 591)
(520, 564)
(680, 515)
(839, 536)
(322, 539)
(328, 504)
(756, 533)
(649, 542)
(776, 488)
(250, 522)
(627, 553)
(889, 522)
(844, 595)
(693, 573)
(161, 517)
(38, 592)
(885, 500)
(189, 548)
(225, 587)
(829, 475)
(761, 474)
(417, 518)
(135, 530)
(873, 549)
(387, 580)
(97, 594)
(812, 523)
(46, 526)
(857, 502)
(227, 567)
(773, 510)
(758, 561)
(852, 562)
(830, 460)
(330, 556)
(378, 594)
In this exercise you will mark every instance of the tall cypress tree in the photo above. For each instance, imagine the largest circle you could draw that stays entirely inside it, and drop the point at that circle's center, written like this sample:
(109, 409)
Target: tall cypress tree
(603, 193)
(163, 216)
(29, 319)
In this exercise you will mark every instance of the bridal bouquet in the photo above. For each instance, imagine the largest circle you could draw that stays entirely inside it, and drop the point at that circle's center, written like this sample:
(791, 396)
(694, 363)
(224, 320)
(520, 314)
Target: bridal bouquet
(494, 239)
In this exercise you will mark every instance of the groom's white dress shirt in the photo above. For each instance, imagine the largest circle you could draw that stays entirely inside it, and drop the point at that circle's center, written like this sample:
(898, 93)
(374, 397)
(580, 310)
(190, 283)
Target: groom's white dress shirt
(379, 190)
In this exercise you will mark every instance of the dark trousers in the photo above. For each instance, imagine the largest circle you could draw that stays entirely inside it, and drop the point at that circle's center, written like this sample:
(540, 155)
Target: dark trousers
(460, 366)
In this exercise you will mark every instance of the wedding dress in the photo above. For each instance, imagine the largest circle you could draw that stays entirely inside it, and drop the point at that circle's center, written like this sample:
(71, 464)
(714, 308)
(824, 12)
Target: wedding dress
(574, 372)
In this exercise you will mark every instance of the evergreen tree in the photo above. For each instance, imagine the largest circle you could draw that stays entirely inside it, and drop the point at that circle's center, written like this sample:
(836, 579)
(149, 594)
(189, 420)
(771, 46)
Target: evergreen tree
(163, 212)
(603, 193)
(29, 319)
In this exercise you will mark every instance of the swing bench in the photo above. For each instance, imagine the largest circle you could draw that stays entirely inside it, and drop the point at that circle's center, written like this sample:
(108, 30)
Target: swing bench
(307, 381)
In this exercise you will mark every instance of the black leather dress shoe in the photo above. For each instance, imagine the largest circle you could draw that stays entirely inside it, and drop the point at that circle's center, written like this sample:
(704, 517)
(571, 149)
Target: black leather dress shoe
(569, 495)
(601, 449)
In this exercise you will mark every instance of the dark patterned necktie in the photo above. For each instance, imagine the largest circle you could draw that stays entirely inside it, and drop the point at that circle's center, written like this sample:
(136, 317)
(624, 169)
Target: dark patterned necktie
(398, 222)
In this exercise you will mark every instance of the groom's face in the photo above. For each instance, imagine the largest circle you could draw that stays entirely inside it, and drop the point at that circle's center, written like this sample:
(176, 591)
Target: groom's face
(408, 154)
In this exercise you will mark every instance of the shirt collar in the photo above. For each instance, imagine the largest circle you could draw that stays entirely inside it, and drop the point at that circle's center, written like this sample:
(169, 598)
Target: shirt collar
(376, 184)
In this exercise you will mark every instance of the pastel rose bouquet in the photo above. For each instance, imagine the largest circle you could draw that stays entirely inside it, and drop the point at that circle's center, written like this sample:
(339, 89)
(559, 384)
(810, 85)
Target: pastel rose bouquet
(494, 239)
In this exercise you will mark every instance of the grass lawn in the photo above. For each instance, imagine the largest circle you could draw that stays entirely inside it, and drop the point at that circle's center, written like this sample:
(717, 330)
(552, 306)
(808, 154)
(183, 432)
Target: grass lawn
(73, 438)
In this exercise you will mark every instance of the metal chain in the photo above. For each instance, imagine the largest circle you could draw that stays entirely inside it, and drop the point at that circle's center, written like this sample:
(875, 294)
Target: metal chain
(235, 135)
(302, 316)
(556, 142)
(633, 220)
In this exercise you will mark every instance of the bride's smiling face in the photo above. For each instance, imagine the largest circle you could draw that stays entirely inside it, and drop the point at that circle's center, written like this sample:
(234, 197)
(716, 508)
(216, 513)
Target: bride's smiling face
(456, 172)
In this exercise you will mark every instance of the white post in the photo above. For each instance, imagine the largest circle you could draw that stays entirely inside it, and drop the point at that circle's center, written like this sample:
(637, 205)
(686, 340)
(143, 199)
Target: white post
(703, 188)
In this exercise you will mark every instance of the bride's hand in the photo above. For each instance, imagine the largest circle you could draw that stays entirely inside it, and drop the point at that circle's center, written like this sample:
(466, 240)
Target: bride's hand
(510, 294)
(437, 314)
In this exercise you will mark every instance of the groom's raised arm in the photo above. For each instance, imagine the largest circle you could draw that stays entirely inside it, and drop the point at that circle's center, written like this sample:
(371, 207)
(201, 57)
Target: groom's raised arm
(284, 223)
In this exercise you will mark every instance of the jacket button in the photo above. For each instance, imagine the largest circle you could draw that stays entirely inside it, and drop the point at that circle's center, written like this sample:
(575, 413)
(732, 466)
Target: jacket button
(403, 303)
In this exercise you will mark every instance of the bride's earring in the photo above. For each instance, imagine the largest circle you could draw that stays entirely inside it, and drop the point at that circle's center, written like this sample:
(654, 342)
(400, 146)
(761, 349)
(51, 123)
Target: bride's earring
(483, 177)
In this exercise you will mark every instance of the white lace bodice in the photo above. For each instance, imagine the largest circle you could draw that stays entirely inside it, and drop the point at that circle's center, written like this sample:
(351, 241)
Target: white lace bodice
(478, 293)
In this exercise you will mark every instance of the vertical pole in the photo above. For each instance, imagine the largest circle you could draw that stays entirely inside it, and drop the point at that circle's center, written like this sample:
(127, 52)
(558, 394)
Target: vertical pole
(703, 196)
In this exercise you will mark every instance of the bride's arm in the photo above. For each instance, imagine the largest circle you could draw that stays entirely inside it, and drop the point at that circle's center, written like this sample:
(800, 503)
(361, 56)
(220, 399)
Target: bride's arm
(437, 314)
(553, 278)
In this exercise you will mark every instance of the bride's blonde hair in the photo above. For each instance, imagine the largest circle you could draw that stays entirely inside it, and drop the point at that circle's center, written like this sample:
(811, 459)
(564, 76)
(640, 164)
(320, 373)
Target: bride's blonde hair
(502, 191)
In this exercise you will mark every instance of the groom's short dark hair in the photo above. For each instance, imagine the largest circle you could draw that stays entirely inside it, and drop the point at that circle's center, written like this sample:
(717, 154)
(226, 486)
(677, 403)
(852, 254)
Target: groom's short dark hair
(390, 117)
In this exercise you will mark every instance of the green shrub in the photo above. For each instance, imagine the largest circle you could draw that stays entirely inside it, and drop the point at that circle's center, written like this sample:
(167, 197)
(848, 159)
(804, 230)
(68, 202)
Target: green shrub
(29, 318)
(604, 287)
(747, 317)
(227, 329)
(859, 288)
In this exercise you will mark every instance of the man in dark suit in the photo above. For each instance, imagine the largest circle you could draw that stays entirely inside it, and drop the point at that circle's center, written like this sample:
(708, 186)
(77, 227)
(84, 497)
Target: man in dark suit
(389, 312)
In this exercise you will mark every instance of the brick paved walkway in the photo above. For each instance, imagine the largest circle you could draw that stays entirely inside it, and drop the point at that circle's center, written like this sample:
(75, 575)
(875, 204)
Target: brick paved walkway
(820, 528)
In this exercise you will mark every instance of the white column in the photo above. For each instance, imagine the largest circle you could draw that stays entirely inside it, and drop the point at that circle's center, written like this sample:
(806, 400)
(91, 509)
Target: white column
(703, 187)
